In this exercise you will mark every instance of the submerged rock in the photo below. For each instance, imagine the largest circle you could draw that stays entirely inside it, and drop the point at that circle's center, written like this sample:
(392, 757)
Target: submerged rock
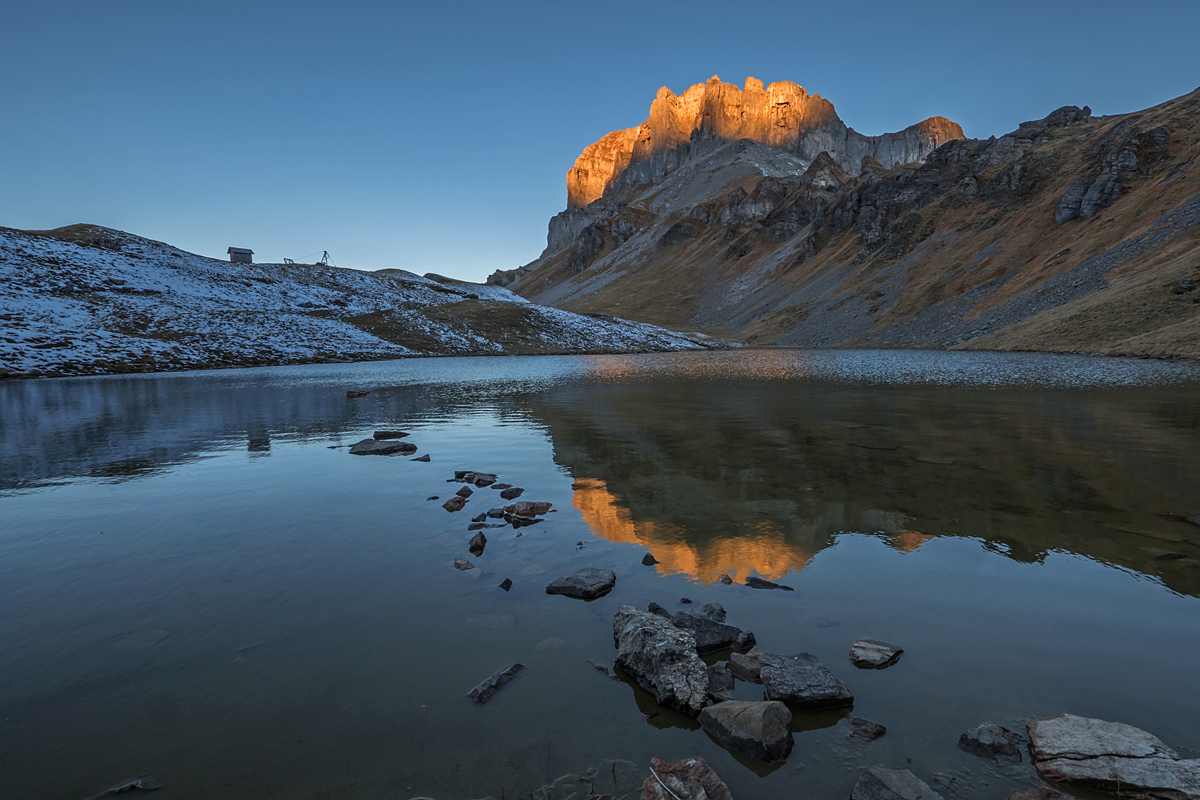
(463, 564)
(586, 583)
(661, 658)
(479, 517)
(874, 654)
(484, 691)
(1111, 757)
(754, 582)
(757, 729)
(881, 783)
(382, 435)
(989, 740)
(712, 636)
(373, 447)
(802, 681)
(356, 393)
(865, 730)
(690, 779)
(141, 785)
(720, 682)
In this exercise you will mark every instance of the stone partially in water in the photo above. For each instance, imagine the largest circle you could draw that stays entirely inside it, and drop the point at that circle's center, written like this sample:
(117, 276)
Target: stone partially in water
(463, 564)
(424, 458)
(373, 447)
(527, 508)
(477, 543)
(1040, 793)
(465, 492)
(720, 682)
(874, 654)
(454, 503)
(755, 582)
(802, 681)
(495, 513)
(512, 493)
(725, 579)
(865, 730)
(881, 783)
(690, 779)
(383, 435)
(484, 691)
(661, 658)
(479, 517)
(712, 636)
(748, 666)
(506, 584)
(649, 560)
(1111, 757)
(586, 583)
(989, 740)
(757, 729)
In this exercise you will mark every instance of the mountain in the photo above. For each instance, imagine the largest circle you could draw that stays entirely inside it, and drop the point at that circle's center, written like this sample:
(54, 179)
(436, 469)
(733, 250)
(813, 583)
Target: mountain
(86, 300)
(1072, 232)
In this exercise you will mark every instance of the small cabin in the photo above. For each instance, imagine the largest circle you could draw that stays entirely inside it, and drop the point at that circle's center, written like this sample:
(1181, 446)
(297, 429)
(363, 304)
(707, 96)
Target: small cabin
(241, 255)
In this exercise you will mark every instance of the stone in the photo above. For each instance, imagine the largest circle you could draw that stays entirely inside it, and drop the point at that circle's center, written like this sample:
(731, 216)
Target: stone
(495, 513)
(713, 636)
(882, 783)
(586, 583)
(527, 508)
(141, 785)
(760, 729)
(802, 681)
(649, 560)
(499, 486)
(356, 393)
(874, 654)
(424, 458)
(725, 579)
(1068, 115)
(478, 542)
(455, 503)
(754, 582)
(989, 740)
(432, 497)
(865, 730)
(465, 492)
(1111, 757)
(1184, 286)
(463, 564)
(1040, 793)
(372, 447)
(486, 689)
(655, 608)
(512, 493)
(506, 584)
(720, 682)
(479, 517)
(382, 435)
(482, 479)
(521, 522)
(690, 779)
(661, 658)
(748, 665)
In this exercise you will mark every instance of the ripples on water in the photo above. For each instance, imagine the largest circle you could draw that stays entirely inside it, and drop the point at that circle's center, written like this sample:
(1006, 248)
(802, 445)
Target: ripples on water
(196, 586)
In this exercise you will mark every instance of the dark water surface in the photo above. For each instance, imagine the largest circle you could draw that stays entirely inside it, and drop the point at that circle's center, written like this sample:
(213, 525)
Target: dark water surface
(194, 585)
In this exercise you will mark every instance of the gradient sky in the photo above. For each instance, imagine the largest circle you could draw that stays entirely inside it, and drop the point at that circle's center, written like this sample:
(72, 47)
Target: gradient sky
(436, 136)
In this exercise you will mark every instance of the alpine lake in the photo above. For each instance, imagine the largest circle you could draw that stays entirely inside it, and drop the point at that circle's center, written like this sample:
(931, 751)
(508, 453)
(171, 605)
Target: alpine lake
(199, 582)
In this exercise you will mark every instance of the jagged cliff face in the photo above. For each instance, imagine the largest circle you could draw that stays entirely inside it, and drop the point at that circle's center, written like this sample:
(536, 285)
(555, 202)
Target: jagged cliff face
(782, 116)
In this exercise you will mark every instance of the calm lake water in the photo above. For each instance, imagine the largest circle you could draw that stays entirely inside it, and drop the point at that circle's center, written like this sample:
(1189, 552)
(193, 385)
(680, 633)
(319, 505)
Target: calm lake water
(197, 581)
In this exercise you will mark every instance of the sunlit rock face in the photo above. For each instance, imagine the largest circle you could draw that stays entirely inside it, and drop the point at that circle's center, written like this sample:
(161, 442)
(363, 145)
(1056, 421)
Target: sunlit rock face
(781, 115)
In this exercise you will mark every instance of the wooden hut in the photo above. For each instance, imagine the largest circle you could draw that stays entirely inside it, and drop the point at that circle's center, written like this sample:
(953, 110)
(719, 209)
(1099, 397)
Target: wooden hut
(241, 255)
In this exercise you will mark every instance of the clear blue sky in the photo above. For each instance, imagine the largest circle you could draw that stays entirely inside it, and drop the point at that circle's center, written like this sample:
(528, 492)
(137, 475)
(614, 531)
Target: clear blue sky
(435, 137)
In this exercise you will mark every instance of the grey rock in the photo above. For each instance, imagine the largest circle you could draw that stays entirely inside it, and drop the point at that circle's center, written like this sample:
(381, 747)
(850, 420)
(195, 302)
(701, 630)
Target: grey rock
(755, 582)
(1068, 115)
(874, 654)
(463, 564)
(1184, 286)
(373, 447)
(499, 486)
(757, 729)
(882, 783)
(713, 636)
(454, 503)
(465, 492)
(512, 493)
(1111, 757)
(725, 579)
(382, 435)
(586, 583)
(720, 682)
(478, 542)
(748, 665)
(802, 681)
(655, 608)
(865, 730)
(484, 691)
(527, 508)
(615, 779)
(714, 612)
(496, 513)
(690, 779)
(989, 740)
(661, 658)
(479, 517)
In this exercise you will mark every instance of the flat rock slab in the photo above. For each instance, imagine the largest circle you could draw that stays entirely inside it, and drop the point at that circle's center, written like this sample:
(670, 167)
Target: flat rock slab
(135, 786)
(865, 730)
(1111, 757)
(484, 691)
(1040, 793)
(881, 783)
(586, 583)
(384, 435)
(802, 681)
(759, 583)
(874, 654)
(374, 447)
(712, 636)
(989, 740)
(690, 779)
(661, 658)
(760, 729)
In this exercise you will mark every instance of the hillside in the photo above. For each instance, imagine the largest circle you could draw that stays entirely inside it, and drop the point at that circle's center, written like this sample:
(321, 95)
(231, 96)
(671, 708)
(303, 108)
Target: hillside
(87, 300)
(1072, 232)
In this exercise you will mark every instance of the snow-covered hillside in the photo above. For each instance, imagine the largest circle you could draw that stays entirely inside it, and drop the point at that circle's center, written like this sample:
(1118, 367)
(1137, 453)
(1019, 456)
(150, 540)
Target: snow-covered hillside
(89, 300)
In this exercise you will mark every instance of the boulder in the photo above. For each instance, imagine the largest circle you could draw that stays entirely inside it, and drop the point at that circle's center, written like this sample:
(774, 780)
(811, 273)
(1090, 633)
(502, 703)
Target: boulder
(512, 493)
(713, 636)
(382, 435)
(661, 658)
(454, 503)
(586, 583)
(484, 691)
(690, 779)
(527, 508)
(881, 783)
(373, 447)
(755, 582)
(989, 740)
(1111, 757)
(874, 654)
(478, 542)
(760, 729)
(802, 681)
(865, 730)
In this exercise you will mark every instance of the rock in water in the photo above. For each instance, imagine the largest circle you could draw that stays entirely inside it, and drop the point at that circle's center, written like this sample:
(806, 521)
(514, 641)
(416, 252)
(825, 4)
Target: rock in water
(748, 666)
(649, 560)
(373, 447)
(714, 612)
(874, 654)
(512, 493)
(661, 658)
(990, 740)
(356, 393)
(424, 458)
(585, 583)
(757, 729)
(712, 636)
(495, 513)
(1112, 757)
(881, 783)
(527, 508)
(454, 503)
(382, 435)
(865, 729)
(725, 579)
(484, 691)
(506, 584)
(802, 681)
(690, 779)
(478, 542)
(655, 608)
(1040, 793)
(755, 582)
(465, 492)
(463, 564)
(141, 785)
(720, 682)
